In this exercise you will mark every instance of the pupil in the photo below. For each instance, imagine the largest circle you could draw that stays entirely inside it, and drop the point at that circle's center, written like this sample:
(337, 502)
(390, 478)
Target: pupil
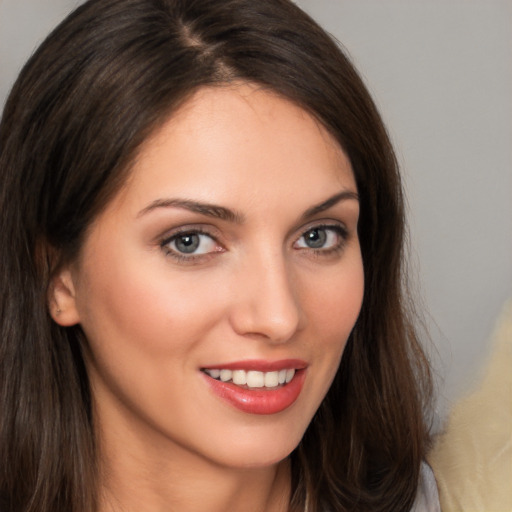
(316, 238)
(187, 243)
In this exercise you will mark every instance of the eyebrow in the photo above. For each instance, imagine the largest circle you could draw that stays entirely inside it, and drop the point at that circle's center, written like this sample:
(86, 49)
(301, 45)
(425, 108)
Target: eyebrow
(210, 210)
(329, 203)
(222, 213)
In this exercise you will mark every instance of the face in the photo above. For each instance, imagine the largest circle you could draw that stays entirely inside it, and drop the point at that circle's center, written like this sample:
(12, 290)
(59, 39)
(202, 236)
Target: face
(218, 288)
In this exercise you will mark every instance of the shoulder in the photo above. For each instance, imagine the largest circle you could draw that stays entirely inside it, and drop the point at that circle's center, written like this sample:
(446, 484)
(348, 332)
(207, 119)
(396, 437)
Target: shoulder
(427, 497)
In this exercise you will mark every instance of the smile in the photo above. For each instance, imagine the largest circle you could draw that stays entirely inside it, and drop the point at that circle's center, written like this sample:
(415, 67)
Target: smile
(257, 387)
(252, 378)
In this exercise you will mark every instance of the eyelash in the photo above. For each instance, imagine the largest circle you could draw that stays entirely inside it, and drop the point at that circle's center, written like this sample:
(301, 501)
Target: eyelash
(340, 230)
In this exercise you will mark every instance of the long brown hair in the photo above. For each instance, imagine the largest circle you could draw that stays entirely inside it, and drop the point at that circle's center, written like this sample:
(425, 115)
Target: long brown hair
(107, 77)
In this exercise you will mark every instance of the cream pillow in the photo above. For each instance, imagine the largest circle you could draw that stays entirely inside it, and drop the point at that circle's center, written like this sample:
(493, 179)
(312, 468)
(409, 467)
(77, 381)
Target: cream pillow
(472, 458)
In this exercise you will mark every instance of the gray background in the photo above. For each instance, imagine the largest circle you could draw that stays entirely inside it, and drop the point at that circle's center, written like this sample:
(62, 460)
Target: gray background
(441, 74)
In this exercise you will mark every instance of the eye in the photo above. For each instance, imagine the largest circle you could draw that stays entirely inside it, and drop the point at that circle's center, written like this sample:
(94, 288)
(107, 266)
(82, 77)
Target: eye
(322, 237)
(190, 243)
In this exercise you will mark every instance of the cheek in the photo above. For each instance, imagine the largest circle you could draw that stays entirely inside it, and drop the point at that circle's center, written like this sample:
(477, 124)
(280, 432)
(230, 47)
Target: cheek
(332, 308)
(334, 305)
(333, 311)
(143, 331)
(139, 305)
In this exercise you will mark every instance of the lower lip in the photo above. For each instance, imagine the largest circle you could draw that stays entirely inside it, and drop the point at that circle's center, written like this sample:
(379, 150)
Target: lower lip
(259, 400)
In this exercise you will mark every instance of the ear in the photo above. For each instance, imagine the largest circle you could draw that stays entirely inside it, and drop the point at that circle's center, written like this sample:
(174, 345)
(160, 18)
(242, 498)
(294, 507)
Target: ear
(62, 299)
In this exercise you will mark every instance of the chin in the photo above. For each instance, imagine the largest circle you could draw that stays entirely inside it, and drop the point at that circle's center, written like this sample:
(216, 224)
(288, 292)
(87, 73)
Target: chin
(256, 449)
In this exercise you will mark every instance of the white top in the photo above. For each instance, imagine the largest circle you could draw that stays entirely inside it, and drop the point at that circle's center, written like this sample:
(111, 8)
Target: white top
(427, 497)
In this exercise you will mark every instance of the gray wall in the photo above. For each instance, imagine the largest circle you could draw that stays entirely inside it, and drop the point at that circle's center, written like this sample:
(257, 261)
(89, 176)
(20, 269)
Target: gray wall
(441, 73)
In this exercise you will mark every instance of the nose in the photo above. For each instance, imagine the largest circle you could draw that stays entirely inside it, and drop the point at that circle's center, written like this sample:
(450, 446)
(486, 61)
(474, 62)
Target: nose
(266, 303)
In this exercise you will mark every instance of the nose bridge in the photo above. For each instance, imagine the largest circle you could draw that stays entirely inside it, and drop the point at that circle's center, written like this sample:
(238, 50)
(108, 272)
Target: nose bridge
(268, 303)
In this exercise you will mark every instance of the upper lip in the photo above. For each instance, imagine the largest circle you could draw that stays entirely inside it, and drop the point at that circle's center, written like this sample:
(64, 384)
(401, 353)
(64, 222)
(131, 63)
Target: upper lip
(260, 365)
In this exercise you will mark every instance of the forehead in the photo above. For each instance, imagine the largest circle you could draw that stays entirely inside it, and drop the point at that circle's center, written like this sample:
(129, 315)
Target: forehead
(240, 139)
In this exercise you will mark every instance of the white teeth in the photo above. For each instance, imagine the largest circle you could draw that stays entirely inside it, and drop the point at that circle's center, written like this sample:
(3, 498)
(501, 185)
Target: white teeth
(225, 375)
(255, 379)
(214, 373)
(252, 378)
(239, 377)
(271, 379)
(289, 375)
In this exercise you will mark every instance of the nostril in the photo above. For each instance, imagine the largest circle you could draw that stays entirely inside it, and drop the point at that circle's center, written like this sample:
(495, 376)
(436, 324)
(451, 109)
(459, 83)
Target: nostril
(266, 320)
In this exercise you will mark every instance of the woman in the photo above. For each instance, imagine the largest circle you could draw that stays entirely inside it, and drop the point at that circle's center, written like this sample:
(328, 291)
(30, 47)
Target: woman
(202, 284)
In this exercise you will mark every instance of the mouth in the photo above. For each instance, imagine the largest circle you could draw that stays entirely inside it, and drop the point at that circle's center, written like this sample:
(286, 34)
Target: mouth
(257, 387)
(252, 379)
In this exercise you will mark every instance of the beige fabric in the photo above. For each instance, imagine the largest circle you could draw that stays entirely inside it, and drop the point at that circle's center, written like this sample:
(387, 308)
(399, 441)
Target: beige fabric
(472, 459)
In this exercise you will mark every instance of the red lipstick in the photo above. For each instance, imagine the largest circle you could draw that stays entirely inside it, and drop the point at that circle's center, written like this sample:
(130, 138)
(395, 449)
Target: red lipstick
(261, 366)
(260, 400)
